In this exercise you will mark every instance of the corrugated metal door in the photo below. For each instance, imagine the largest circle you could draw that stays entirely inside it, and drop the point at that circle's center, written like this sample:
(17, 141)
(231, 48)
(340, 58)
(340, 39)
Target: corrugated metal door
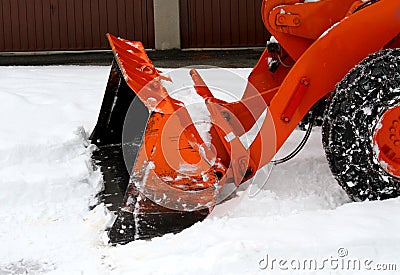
(31, 25)
(222, 23)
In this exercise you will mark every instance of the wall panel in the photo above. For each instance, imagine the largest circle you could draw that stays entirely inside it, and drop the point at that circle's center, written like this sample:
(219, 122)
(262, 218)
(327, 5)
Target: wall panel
(53, 25)
(222, 23)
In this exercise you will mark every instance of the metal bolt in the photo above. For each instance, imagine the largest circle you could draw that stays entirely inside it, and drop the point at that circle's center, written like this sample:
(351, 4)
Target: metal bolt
(155, 84)
(305, 82)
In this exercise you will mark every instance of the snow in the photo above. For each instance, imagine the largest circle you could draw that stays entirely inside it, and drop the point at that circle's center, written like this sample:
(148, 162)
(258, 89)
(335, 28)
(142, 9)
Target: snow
(48, 186)
(328, 30)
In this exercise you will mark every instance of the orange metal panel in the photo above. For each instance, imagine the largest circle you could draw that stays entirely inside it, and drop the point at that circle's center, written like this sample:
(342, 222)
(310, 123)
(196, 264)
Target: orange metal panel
(325, 63)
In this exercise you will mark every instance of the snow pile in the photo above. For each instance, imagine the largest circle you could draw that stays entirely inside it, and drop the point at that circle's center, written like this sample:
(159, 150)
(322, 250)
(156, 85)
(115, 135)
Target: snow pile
(47, 186)
(47, 182)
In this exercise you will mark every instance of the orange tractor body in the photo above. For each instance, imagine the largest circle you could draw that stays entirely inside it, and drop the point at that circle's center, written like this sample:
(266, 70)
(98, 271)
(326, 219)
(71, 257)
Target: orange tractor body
(175, 170)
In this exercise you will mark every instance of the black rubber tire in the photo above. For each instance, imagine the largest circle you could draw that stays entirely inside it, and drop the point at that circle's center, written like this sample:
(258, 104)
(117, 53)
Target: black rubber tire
(355, 107)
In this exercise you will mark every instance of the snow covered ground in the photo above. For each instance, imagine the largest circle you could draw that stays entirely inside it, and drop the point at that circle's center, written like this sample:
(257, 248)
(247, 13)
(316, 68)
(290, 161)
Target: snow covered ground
(300, 222)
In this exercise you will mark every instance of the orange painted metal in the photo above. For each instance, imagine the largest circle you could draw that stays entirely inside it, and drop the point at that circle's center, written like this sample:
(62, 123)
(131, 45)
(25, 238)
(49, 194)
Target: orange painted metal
(386, 140)
(325, 63)
(321, 41)
(170, 138)
(200, 85)
(295, 101)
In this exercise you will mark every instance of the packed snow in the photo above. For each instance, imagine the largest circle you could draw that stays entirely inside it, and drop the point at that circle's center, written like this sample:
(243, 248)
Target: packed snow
(294, 219)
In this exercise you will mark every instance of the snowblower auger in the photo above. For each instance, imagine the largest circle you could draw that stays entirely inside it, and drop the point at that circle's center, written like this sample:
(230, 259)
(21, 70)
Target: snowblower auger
(176, 175)
(127, 101)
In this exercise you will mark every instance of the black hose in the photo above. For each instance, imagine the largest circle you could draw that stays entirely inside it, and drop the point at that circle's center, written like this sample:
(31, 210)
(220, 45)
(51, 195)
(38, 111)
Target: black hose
(366, 4)
(300, 146)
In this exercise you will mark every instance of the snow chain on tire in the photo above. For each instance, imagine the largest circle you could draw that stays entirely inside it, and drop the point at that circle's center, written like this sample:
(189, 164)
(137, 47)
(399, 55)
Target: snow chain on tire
(354, 110)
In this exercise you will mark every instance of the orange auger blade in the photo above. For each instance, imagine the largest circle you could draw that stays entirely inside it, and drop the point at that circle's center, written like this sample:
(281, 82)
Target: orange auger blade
(170, 139)
(175, 175)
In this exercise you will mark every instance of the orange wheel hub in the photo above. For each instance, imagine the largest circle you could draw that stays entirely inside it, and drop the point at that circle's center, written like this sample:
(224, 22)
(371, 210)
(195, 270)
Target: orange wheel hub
(387, 141)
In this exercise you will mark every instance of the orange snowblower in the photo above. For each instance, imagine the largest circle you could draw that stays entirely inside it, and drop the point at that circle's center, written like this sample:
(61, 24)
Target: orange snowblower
(334, 62)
